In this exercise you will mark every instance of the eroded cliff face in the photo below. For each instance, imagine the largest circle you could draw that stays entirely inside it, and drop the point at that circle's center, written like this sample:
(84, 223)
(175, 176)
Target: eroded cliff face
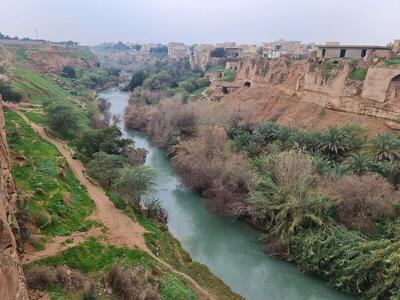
(356, 86)
(49, 58)
(12, 282)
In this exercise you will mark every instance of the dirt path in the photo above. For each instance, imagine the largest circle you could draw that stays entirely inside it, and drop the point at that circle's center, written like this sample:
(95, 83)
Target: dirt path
(122, 230)
(60, 243)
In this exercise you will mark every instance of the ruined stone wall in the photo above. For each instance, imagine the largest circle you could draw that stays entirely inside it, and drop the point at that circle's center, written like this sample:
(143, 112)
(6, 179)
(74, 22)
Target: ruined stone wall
(377, 95)
(12, 282)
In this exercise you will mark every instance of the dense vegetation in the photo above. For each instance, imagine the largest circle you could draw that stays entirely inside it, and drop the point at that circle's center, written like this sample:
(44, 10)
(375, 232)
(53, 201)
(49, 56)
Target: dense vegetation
(170, 78)
(327, 200)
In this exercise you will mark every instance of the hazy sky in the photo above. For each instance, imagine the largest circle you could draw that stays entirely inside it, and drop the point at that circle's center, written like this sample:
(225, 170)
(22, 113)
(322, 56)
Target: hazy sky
(191, 21)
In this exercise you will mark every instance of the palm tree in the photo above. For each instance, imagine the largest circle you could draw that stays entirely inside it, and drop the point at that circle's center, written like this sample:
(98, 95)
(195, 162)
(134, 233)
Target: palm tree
(334, 142)
(386, 147)
(360, 163)
(268, 132)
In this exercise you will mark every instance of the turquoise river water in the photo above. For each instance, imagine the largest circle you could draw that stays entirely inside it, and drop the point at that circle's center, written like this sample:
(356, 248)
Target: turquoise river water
(227, 247)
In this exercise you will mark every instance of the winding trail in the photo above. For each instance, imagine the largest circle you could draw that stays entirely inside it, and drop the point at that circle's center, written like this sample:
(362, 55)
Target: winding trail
(122, 230)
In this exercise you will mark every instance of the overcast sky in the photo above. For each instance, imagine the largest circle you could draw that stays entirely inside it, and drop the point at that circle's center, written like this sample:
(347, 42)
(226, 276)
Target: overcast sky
(199, 21)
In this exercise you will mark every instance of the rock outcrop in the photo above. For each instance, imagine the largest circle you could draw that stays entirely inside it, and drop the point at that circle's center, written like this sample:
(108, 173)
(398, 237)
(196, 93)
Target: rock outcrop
(362, 87)
(12, 282)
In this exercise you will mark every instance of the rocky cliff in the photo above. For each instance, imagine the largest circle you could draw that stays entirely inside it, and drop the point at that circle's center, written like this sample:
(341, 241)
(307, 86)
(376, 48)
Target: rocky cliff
(12, 282)
(369, 88)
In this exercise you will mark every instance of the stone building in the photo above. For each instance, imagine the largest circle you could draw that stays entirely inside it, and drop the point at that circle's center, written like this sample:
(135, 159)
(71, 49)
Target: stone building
(232, 65)
(335, 50)
(177, 51)
(282, 47)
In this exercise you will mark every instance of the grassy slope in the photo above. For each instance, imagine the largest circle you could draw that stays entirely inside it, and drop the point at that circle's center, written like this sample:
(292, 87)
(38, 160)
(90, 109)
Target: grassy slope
(37, 87)
(95, 259)
(41, 172)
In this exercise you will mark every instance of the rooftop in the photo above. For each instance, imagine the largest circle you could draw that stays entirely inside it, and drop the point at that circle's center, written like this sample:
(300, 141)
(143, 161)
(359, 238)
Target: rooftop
(355, 46)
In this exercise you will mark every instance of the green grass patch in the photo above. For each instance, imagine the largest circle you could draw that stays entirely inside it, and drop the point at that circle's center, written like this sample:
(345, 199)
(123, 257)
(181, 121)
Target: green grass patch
(229, 75)
(36, 117)
(172, 288)
(215, 69)
(93, 256)
(59, 204)
(37, 87)
(392, 62)
(358, 74)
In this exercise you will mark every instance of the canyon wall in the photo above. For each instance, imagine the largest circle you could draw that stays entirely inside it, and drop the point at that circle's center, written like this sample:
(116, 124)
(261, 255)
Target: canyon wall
(51, 58)
(362, 87)
(12, 282)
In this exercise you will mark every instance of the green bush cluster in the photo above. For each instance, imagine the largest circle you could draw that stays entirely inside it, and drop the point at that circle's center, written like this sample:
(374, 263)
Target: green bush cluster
(8, 93)
(292, 201)
(336, 149)
(170, 78)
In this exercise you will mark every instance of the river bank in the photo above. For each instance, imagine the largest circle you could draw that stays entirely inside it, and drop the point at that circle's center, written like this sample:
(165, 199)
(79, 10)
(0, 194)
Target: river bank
(226, 246)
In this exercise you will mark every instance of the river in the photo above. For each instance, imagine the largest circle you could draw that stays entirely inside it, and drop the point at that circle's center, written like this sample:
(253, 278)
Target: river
(227, 247)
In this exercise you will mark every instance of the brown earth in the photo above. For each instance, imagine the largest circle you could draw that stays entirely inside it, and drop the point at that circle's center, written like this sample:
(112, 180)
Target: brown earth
(266, 103)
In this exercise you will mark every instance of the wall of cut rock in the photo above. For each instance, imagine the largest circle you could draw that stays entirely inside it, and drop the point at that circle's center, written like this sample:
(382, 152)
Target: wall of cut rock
(12, 281)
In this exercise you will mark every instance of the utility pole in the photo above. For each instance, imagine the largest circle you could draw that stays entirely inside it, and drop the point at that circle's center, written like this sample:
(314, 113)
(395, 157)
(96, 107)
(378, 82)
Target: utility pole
(37, 34)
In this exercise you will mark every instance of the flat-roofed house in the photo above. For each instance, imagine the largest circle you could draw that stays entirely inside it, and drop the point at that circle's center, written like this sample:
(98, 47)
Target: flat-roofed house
(335, 50)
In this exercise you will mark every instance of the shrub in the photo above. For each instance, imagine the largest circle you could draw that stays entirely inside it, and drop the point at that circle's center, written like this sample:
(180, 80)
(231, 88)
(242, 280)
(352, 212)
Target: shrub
(293, 168)
(136, 116)
(65, 119)
(159, 51)
(169, 120)
(153, 210)
(218, 52)
(368, 269)
(68, 71)
(8, 93)
(40, 277)
(363, 199)
(268, 132)
(105, 168)
(70, 279)
(137, 80)
(158, 81)
(108, 140)
(134, 182)
(204, 162)
(130, 284)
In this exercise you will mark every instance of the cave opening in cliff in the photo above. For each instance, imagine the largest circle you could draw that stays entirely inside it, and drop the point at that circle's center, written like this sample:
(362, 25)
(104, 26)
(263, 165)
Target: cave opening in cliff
(224, 90)
(393, 92)
(247, 84)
